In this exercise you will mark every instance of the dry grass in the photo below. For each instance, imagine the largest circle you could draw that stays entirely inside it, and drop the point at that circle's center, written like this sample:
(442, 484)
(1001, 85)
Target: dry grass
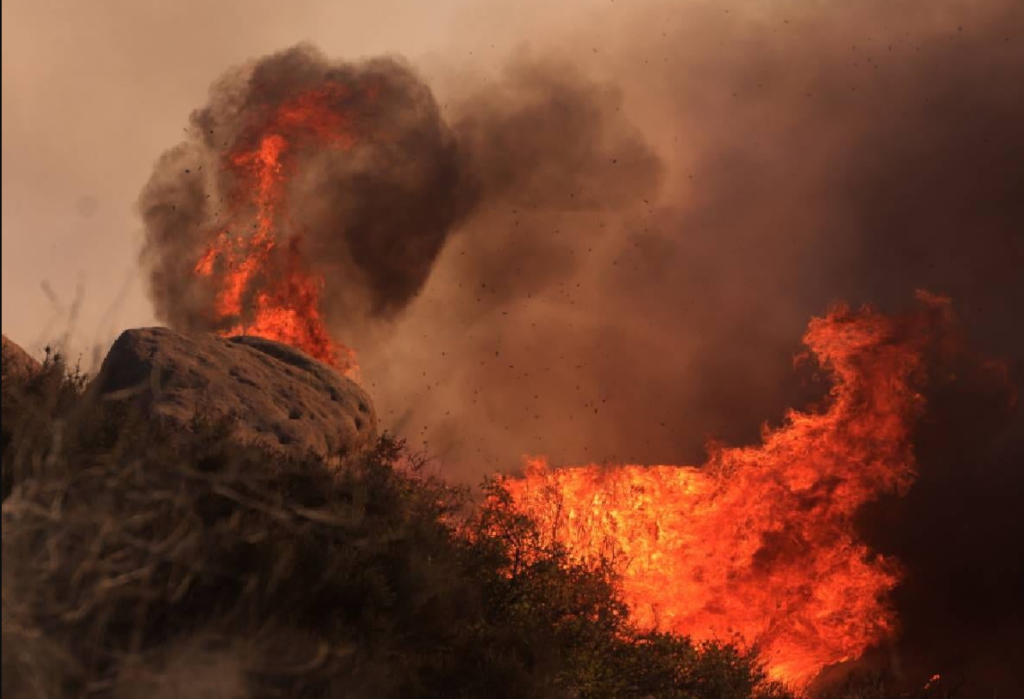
(137, 563)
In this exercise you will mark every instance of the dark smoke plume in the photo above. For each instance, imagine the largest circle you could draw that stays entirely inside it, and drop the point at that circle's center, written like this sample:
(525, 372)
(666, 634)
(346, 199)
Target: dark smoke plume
(370, 218)
(373, 218)
(804, 157)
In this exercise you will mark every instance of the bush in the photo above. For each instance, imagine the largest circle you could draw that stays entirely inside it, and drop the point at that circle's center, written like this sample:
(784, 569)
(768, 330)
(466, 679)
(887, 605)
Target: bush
(137, 562)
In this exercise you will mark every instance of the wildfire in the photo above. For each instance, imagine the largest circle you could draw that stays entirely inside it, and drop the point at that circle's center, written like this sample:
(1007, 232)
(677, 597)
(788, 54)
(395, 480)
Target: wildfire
(760, 543)
(262, 286)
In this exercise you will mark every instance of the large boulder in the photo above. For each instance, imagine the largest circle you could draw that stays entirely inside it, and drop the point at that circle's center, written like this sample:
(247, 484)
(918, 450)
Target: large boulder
(277, 396)
(17, 363)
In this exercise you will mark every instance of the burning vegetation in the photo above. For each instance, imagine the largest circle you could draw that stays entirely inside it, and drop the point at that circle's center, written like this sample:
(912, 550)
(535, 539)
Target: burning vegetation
(760, 542)
(496, 259)
(180, 561)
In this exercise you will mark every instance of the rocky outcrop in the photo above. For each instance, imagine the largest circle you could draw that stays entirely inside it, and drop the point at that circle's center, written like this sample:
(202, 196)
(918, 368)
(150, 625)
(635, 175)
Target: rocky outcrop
(277, 396)
(16, 361)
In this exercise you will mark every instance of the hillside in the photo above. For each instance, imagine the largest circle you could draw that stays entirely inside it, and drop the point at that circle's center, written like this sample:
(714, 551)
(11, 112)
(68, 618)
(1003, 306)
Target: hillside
(143, 557)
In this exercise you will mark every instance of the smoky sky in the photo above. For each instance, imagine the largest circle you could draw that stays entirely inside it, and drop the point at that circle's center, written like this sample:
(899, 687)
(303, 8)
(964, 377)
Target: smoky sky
(654, 240)
(607, 248)
(747, 170)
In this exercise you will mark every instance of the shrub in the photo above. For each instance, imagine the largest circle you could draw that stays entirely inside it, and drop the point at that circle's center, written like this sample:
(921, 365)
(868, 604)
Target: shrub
(137, 562)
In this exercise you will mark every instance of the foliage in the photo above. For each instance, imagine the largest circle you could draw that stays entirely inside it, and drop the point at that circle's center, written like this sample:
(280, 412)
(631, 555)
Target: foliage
(137, 561)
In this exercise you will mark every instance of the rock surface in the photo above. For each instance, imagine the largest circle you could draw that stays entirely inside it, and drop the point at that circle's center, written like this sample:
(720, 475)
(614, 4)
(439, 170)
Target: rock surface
(17, 362)
(281, 398)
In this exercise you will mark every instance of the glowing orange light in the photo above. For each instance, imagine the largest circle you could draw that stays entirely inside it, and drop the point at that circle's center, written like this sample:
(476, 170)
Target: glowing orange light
(760, 542)
(256, 277)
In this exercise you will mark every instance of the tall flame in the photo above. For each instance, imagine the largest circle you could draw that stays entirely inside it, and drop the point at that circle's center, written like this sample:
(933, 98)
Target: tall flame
(262, 287)
(760, 542)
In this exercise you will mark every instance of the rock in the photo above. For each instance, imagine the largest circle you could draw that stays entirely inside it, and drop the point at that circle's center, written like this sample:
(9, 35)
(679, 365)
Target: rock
(16, 361)
(282, 399)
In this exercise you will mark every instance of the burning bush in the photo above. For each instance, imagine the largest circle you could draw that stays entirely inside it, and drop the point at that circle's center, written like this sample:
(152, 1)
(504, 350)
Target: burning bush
(132, 566)
(761, 541)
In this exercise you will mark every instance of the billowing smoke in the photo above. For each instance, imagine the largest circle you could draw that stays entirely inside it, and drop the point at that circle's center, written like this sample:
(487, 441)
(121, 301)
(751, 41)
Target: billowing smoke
(369, 217)
(808, 154)
(791, 159)
(608, 250)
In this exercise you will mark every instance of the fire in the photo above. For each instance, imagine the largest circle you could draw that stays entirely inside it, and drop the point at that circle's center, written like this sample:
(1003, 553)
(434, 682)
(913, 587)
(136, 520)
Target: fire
(262, 286)
(759, 544)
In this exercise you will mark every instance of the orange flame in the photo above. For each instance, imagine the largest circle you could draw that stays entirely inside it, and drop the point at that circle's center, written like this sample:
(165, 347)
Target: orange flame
(262, 287)
(760, 542)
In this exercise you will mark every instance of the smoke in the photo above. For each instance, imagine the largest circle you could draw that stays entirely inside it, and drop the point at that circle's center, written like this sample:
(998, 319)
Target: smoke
(607, 250)
(956, 532)
(791, 159)
(794, 157)
(370, 218)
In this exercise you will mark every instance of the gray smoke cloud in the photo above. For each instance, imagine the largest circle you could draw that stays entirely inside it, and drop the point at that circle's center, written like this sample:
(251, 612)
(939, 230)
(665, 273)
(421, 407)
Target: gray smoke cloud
(370, 217)
(723, 175)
